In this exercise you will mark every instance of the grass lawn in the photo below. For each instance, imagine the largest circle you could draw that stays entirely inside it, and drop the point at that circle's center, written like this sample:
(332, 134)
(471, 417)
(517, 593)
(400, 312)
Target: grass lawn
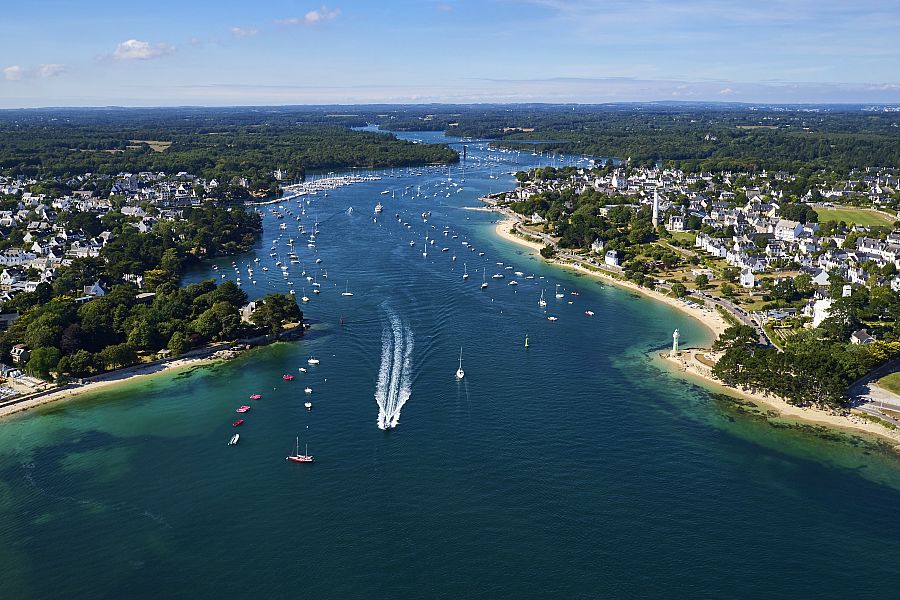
(858, 216)
(891, 383)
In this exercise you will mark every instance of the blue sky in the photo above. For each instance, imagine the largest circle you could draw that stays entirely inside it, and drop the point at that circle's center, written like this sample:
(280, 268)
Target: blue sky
(101, 52)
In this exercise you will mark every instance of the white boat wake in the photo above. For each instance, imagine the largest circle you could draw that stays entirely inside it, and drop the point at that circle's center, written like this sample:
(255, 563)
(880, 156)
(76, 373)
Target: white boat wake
(394, 385)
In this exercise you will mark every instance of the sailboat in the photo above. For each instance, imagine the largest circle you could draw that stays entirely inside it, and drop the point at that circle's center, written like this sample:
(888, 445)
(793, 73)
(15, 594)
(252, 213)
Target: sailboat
(425, 247)
(305, 298)
(347, 291)
(558, 295)
(459, 372)
(526, 340)
(542, 302)
(465, 272)
(483, 282)
(301, 458)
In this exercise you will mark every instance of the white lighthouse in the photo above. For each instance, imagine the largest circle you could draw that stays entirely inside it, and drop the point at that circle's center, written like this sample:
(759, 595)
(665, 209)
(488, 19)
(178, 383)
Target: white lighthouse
(655, 208)
(675, 336)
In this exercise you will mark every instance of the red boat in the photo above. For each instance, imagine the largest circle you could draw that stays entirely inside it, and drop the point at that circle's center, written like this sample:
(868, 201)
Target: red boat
(287, 377)
(243, 409)
(256, 396)
(238, 423)
(300, 458)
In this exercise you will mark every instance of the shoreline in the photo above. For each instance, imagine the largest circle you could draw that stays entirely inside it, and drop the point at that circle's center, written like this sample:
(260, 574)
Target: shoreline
(207, 355)
(107, 381)
(709, 318)
(687, 366)
(716, 324)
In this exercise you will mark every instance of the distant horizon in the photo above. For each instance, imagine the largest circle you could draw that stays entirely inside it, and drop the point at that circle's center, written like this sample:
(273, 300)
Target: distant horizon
(311, 105)
(301, 52)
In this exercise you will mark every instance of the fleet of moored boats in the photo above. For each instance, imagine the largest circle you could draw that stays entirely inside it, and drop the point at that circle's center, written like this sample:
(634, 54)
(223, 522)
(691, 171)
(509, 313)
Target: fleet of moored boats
(284, 259)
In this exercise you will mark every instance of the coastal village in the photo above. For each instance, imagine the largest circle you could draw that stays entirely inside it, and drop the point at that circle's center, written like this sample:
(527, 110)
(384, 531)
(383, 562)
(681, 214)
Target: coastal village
(36, 243)
(742, 226)
(741, 249)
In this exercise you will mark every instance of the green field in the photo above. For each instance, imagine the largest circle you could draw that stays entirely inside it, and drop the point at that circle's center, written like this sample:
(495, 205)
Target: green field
(857, 216)
(891, 383)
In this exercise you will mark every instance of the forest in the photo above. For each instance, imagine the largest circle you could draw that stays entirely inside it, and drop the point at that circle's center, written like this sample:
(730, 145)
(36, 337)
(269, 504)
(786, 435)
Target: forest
(225, 144)
(689, 136)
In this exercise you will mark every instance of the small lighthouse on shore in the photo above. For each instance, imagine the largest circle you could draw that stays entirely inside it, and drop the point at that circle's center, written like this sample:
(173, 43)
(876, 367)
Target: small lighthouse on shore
(656, 208)
(675, 336)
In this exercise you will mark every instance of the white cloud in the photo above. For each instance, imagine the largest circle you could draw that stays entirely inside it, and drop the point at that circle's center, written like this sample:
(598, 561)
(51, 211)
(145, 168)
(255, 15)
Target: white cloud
(313, 17)
(51, 70)
(242, 32)
(726, 91)
(138, 50)
(13, 73)
(446, 8)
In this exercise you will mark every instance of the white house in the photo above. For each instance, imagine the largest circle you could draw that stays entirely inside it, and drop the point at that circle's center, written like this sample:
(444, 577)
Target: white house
(611, 258)
(747, 278)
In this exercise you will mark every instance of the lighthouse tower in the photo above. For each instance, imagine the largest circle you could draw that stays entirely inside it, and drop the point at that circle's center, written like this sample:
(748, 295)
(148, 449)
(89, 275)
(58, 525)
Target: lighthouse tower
(655, 208)
(675, 336)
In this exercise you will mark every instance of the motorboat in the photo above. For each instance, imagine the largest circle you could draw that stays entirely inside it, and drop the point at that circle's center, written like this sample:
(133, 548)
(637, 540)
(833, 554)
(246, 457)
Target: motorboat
(243, 409)
(234, 439)
(238, 423)
(312, 361)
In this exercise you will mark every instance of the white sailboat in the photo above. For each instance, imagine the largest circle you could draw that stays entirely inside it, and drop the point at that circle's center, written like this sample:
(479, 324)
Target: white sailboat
(559, 296)
(542, 303)
(347, 291)
(483, 282)
(459, 372)
(465, 272)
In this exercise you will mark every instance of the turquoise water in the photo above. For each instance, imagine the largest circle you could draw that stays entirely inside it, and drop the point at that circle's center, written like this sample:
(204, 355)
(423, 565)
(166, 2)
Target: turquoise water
(575, 469)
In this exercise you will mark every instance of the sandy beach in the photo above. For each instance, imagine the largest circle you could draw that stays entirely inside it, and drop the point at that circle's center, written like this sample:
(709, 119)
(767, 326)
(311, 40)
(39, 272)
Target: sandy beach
(710, 318)
(687, 365)
(107, 381)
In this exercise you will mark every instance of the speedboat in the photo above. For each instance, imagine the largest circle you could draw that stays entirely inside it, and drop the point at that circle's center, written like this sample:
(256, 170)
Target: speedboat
(234, 439)
(308, 390)
(287, 377)
(312, 361)
(589, 313)
(551, 318)
(238, 423)
(256, 396)
(308, 405)
(243, 409)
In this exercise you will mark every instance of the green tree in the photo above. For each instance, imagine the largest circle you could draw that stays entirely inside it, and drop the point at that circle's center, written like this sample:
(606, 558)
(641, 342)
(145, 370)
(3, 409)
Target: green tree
(701, 281)
(679, 290)
(42, 361)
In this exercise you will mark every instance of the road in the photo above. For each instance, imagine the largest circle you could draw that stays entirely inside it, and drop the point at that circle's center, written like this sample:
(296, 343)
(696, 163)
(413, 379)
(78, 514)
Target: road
(870, 398)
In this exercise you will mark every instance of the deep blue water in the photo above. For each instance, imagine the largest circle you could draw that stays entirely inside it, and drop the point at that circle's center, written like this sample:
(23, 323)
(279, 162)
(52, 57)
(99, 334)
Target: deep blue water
(574, 469)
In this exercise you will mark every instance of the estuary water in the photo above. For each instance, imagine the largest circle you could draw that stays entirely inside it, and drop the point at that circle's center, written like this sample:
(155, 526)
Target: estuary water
(574, 468)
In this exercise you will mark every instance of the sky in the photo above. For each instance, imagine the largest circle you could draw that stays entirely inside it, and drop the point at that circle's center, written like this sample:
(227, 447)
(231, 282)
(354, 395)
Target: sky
(275, 52)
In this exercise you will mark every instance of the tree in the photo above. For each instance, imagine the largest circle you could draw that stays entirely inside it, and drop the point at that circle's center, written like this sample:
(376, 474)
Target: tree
(548, 251)
(42, 361)
(679, 290)
(702, 281)
(81, 363)
(730, 274)
(727, 289)
(736, 336)
(177, 343)
(118, 355)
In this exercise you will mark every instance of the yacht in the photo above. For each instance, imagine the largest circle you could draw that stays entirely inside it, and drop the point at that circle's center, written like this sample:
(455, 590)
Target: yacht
(483, 282)
(542, 303)
(300, 458)
(459, 372)
(347, 291)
